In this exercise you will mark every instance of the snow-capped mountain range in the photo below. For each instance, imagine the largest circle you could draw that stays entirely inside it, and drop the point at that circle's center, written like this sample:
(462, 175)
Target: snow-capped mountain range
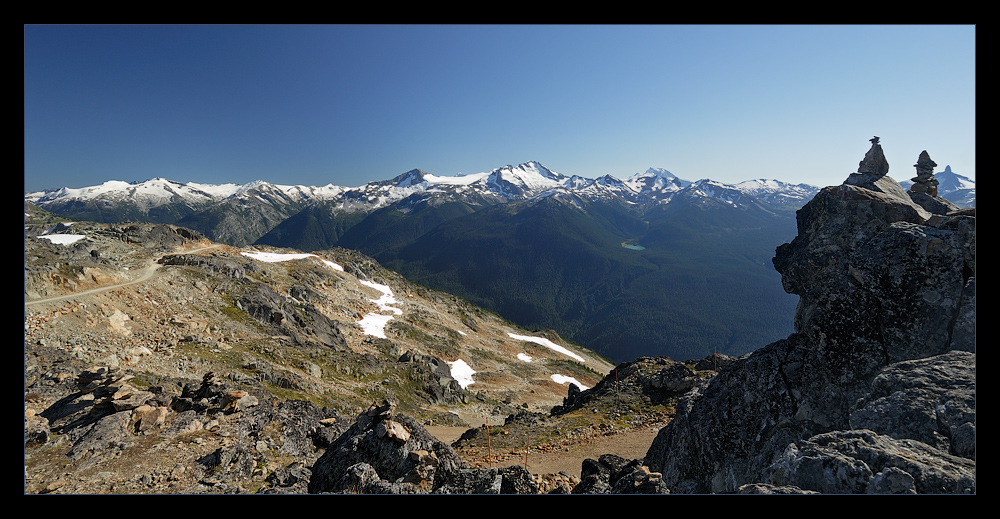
(160, 191)
(508, 183)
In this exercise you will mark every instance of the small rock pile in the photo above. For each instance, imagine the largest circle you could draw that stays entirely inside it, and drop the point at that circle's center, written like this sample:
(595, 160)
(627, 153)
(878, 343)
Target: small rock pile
(614, 474)
(924, 182)
(924, 191)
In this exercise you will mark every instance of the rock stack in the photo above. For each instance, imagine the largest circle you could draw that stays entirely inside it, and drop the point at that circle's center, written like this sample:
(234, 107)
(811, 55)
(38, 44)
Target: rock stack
(924, 182)
(874, 162)
(873, 173)
(924, 191)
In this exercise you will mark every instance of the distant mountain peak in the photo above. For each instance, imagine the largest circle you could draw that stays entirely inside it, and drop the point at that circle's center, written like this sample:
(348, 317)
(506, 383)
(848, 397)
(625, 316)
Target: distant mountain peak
(412, 177)
(660, 172)
(253, 185)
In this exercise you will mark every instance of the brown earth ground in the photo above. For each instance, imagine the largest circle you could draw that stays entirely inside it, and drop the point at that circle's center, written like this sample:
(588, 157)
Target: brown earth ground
(164, 323)
(568, 459)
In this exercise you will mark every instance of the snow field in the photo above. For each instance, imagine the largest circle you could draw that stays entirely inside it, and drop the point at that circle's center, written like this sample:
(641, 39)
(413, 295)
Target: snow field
(548, 344)
(462, 372)
(560, 379)
(64, 239)
(274, 257)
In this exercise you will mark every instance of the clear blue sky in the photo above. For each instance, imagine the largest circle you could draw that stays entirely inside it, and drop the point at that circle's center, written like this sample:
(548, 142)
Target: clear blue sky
(345, 105)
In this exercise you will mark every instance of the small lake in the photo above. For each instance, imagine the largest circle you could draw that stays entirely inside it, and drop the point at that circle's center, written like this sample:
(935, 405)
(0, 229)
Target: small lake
(633, 247)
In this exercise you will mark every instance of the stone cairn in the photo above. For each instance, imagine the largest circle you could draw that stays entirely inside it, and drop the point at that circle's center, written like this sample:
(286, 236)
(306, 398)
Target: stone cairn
(924, 182)
(874, 162)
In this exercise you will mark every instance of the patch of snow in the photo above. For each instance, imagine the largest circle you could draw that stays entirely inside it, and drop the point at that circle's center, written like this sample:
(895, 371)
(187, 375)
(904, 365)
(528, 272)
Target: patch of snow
(462, 372)
(332, 265)
(523, 356)
(64, 239)
(274, 257)
(387, 298)
(561, 379)
(374, 324)
(548, 344)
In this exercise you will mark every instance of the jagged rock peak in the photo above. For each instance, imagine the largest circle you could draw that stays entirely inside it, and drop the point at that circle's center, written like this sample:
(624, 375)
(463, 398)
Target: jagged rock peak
(874, 161)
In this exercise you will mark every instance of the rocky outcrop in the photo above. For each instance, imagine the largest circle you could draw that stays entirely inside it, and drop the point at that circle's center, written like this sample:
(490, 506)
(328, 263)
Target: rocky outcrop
(862, 462)
(301, 321)
(386, 453)
(614, 474)
(434, 376)
(231, 267)
(646, 380)
(887, 306)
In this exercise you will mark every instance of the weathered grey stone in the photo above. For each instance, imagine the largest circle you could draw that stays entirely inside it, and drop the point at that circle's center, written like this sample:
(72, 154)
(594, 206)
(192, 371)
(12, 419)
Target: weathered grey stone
(386, 455)
(107, 433)
(600, 475)
(874, 161)
(856, 462)
(129, 398)
(652, 379)
(765, 489)
(892, 480)
(437, 383)
(506, 480)
(924, 399)
(304, 323)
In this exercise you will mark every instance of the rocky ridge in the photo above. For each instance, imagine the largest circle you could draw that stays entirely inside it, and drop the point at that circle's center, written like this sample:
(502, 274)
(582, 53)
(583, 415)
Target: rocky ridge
(874, 392)
(208, 371)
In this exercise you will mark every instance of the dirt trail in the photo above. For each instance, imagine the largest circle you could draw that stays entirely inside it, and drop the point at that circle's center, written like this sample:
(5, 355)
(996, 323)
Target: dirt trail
(146, 275)
(630, 445)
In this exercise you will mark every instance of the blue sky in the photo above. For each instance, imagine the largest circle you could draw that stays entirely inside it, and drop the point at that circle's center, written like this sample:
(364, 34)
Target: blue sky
(346, 105)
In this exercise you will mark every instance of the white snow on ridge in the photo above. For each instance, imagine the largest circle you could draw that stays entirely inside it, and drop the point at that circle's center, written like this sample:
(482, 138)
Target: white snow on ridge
(548, 344)
(461, 180)
(562, 379)
(371, 324)
(218, 191)
(63, 239)
(387, 298)
(374, 324)
(110, 186)
(531, 176)
(274, 257)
